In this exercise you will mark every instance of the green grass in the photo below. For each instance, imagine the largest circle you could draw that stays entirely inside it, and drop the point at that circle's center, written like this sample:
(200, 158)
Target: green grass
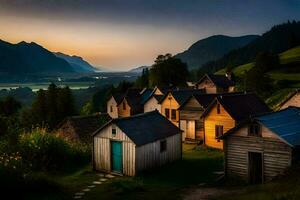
(286, 187)
(167, 182)
(278, 97)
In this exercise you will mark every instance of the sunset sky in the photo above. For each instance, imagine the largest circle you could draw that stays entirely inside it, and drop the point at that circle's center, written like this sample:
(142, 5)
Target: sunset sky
(122, 34)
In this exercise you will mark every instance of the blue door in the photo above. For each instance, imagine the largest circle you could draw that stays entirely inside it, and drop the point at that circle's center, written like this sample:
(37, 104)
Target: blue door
(116, 157)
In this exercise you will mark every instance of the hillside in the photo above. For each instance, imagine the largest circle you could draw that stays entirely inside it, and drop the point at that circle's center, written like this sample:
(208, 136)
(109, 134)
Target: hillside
(280, 38)
(25, 58)
(212, 48)
(78, 63)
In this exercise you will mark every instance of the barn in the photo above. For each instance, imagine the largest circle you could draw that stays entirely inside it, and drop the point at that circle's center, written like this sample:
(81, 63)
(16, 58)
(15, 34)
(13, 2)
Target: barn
(132, 144)
(262, 147)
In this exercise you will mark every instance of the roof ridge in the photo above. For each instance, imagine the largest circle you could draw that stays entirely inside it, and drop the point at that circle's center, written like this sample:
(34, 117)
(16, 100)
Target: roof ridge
(136, 116)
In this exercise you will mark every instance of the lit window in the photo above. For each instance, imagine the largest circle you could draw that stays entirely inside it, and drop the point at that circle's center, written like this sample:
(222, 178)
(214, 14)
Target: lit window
(163, 146)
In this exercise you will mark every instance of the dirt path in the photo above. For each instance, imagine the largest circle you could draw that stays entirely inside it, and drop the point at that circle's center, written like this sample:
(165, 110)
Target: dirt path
(204, 193)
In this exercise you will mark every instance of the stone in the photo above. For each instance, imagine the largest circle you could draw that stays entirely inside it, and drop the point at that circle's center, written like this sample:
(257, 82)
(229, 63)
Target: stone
(91, 186)
(101, 175)
(79, 193)
(109, 176)
(102, 179)
(86, 190)
(77, 197)
(97, 182)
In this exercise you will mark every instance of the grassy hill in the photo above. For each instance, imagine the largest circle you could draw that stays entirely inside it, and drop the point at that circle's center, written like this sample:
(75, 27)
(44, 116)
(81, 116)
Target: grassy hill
(283, 74)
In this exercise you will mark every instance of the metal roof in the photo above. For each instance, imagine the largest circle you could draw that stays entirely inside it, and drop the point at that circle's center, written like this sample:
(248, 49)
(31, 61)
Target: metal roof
(284, 123)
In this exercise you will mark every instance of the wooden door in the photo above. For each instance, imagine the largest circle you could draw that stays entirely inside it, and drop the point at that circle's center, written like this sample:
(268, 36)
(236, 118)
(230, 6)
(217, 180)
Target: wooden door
(190, 133)
(255, 162)
(116, 157)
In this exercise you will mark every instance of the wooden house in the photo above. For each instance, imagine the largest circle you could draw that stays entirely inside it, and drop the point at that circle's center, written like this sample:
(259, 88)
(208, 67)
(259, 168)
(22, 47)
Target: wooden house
(132, 144)
(152, 103)
(225, 112)
(112, 105)
(81, 128)
(171, 101)
(264, 146)
(292, 100)
(131, 103)
(215, 83)
(190, 113)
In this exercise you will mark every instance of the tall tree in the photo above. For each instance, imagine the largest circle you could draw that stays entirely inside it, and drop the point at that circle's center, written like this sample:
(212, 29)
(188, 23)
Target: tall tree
(168, 71)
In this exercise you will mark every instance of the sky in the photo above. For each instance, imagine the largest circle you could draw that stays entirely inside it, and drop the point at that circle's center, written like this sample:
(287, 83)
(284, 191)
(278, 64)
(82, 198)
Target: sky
(123, 34)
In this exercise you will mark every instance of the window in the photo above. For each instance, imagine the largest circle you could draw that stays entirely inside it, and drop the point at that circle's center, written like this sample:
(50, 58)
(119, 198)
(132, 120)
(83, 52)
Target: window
(218, 131)
(173, 114)
(111, 109)
(167, 113)
(218, 108)
(163, 146)
(254, 129)
(113, 131)
(124, 105)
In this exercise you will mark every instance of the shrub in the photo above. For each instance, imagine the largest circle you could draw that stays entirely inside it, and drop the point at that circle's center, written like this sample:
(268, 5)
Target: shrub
(44, 151)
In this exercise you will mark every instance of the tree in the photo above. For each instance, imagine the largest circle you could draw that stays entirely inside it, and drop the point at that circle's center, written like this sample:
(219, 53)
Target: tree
(168, 71)
(9, 106)
(65, 105)
(39, 110)
(143, 80)
(267, 61)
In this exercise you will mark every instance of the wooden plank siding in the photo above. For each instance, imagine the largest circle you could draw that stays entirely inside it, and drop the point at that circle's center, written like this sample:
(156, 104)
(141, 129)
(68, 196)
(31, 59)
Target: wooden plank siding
(151, 105)
(192, 111)
(211, 120)
(276, 154)
(170, 103)
(124, 112)
(112, 108)
(149, 156)
(102, 151)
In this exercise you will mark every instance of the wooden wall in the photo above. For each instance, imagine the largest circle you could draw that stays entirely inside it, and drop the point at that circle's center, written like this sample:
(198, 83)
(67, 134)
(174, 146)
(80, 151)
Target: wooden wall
(294, 101)
(151, 105)
(149, 156)
(192, 111)
(276, 154)
(121, 111)
(112, 102)
(102, 151)
(211, 120)
(171, 103)
(209, 86)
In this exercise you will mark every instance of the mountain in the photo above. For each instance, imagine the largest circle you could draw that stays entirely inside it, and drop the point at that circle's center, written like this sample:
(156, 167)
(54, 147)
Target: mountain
(30, 58)
(278, 39)
(212, 48)
(139, 69)
(78, 64)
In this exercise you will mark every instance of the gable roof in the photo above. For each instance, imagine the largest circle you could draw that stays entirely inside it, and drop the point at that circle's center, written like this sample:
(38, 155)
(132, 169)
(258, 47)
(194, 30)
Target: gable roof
(240, 106)
(218, 80)
(86, 125)
(284, 123)
(146, 95)
(203, 99)
(290, 96)
(118, 97)
(180, 95)
(145, 128)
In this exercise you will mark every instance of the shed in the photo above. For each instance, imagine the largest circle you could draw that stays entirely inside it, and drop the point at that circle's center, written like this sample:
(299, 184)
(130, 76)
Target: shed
(81, 128)
(213, 83)
(264, 146)
(227, 111)
(132, 144)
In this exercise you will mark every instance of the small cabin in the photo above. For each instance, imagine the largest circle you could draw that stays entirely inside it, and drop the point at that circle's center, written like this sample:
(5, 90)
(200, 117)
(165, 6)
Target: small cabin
(225, 112)
(133, 144)
(112, 105)
(131, 103)
(263, 147)
(152, 103)
(81, 128)
(216, 83)
(190, 113)
(171, 101)
(292, 100)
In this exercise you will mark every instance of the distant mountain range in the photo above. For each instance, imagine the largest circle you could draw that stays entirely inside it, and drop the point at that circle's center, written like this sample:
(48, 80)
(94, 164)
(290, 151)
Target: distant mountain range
(78, 64)
(31, 58)
(212, 48)
(139, 69)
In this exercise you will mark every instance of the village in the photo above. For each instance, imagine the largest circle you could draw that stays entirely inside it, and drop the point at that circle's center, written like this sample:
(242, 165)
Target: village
(147, 128)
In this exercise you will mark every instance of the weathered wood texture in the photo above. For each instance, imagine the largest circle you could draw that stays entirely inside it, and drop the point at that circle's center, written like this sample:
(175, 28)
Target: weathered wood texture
(293, 101)
(276, 154)
(192, 111)
(124, 112)
(149, 156)
(112, 108)
(152, 104)
(211, 120)
(170, 103)
(102, 151)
